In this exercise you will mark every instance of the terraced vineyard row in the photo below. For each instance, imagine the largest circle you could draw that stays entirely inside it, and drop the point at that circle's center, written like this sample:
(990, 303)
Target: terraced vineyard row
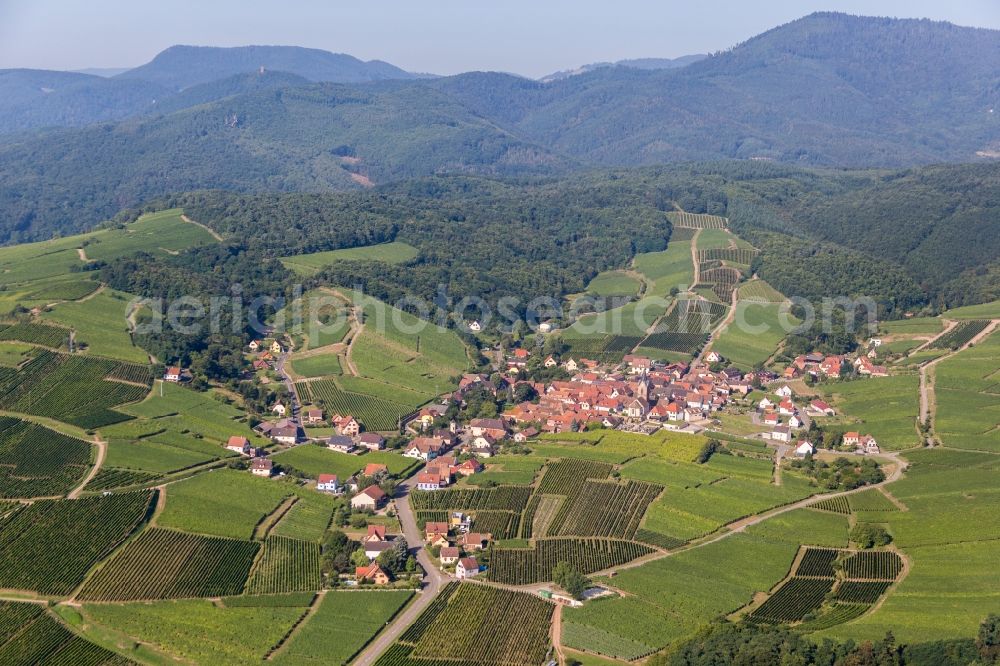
(696, 220)
(873, 565)
(38, 462)
(502, 498)
(605, 509)
(818, 562)
(374, 413)
(795, 599)
(834, 505)
(29, 635)
(67, 388)
(524, 566)
(736, 255)
(50, 545)
(110, 477)
(499, 627)
(656, 539)
(862, 592)
(287, 565)
(164, 564)
(960, 334)
(36, 334)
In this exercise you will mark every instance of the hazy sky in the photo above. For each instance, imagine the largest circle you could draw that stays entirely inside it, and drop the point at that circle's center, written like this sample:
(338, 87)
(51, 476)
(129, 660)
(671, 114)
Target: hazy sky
(530, 37)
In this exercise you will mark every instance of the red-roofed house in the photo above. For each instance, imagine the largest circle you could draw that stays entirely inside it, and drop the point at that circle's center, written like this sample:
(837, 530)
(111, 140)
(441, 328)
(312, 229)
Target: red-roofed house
(431, 481)
(375, 469)
(375, 533)
(467, 567)
(328, 483)
(172, 374)
(371, 498)
(449, 555)
(372, 572)
(239, 445)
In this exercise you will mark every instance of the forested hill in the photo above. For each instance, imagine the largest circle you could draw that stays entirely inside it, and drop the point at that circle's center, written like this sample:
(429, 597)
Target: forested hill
(525, 238)
(828, 90)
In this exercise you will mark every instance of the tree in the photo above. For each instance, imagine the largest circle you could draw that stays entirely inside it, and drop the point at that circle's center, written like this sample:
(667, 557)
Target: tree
(570, 579)
(867, 535)
(359, 558)
(988, 639)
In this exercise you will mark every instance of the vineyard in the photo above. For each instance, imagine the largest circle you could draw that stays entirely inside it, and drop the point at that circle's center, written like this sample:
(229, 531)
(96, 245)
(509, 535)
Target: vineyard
(68, 388)
(29, 635)
(862, 592)
(287, 565)
(50, 545)
(656, 539)
(36, 334)
(817, 562)
(834, 505)
(414, 632)
(692, 316)
(837, 614)
(134, 373)
(607, 347)
(164, 564)
(502, 498)
(605, 509)
(497, 627)
(960, 334)
(723, 280)
(374, 413)
(696, 220)
(873, 565)
(110, 477)
(499, 524)
(794, 600)
(525, 566)
(731, 254)
(686, 343)
(38, 462)
(567, 477)
(871, 500)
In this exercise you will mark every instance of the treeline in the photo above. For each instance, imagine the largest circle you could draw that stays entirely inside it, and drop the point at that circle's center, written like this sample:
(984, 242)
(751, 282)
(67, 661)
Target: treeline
(757, 645)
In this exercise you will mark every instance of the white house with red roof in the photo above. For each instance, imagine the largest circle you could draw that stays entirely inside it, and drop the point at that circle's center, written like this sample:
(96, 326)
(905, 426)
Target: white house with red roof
(240, 445)
(467, 567)
(328, 483)
(172, 374)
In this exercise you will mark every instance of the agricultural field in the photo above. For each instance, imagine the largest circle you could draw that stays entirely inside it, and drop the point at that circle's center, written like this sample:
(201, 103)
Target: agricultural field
(287, 565)
(226, 503)
(696, 220)
(960, 334)
(754, 334)
(366, 403)
(885, 407)
(38, 462)
(667, 269)
(13, 354)
(795, 599)
(677, 594)
(199, 631)
(965, 392)
(100, 325)
(915, 326)
(72, 389)
(525, 566)
(49, 546)
(989, 310)
(395, 252)
(343, 625)
(635, 628)
(164, 564)
(501, 498)
(162, 232)
(613, 283)
(308, 518)
(500, 627)
(314, 460)
(319, 365)
(55, 337)
(29, 635)
(761, 291)
(318, 318)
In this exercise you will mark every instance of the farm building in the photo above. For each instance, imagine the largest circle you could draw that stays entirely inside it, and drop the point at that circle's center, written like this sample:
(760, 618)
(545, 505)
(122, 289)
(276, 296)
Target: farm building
(371, 498)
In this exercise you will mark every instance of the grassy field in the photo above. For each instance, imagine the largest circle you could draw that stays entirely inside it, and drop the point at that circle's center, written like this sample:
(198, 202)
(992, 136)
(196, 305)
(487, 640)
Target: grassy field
(968, 403)
(100, 325)
(343, 625)
(320, 365)
(913, 326)
(390, 253)
(754, 334)
(989, 310)
(670, 268)
(885, 407)
(315, 460)
(760, 290)
(200, 631)
(163, 232)
(224, 502)
(318, 318)
(613, 283)
(308, 518)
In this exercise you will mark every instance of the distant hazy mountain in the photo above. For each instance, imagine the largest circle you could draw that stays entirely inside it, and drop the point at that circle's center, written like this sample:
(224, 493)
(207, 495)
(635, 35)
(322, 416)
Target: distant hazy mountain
(180, 67)
(637, 63)
(34, 98)
(826, 90)
(106, 72)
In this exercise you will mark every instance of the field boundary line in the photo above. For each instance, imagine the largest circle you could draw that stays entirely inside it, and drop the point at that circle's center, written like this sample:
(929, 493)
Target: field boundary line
(311, 610)
(212, 232)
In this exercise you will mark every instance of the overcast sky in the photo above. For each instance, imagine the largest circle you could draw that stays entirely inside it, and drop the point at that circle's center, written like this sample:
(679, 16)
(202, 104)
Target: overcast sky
(530, 37)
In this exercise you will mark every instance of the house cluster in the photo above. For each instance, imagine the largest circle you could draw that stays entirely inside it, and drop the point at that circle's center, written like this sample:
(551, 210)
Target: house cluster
(359, 442)
(441, 472)
(283, 431)
(331, 483)
(265, 353)
(677, 396)
(863, 444)
(375, 542)
(782, 417)
(458, 544)
(260, 464)
(819, 366)
(517, 360)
